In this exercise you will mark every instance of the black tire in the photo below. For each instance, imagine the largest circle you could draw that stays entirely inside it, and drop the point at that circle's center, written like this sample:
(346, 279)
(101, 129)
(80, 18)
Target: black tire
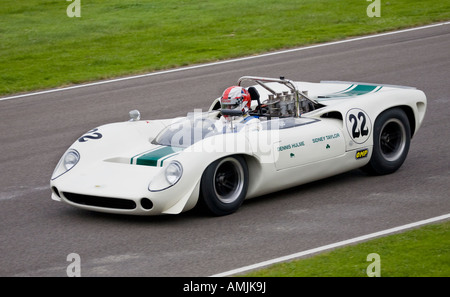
(224, 185)
(392, 138)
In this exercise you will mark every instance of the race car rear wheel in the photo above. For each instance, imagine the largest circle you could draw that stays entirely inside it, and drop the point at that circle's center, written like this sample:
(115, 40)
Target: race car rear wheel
(392, 137)
(224, 185)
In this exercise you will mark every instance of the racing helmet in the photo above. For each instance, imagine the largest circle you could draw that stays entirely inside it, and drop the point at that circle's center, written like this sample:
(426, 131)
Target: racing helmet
(236, 98)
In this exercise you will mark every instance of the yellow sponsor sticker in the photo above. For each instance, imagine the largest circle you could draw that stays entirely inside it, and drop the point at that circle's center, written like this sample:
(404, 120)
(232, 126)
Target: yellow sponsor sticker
(362, 153)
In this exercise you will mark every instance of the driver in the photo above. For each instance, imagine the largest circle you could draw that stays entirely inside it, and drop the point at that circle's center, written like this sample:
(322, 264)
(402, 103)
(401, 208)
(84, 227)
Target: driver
(237, 99)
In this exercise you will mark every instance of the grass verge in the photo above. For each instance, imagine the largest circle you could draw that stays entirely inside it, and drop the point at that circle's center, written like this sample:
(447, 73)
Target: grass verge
(422, 252)
(41, 47)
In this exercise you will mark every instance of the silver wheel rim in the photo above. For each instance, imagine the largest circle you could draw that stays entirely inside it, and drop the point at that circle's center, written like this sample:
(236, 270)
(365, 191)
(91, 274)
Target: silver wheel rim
(228, 180)
(392, 139)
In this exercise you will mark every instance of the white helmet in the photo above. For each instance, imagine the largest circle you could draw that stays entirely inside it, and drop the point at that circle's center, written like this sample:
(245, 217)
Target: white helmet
(236, 98)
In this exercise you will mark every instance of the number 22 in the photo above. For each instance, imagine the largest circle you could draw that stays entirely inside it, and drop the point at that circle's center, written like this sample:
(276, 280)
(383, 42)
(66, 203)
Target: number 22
(363, 131)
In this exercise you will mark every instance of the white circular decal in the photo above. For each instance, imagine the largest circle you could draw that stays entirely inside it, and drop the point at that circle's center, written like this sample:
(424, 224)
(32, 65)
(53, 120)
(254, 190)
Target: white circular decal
(359, 125)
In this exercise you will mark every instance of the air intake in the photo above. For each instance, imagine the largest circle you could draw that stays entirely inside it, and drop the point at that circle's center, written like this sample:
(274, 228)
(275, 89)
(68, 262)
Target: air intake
(106, 202)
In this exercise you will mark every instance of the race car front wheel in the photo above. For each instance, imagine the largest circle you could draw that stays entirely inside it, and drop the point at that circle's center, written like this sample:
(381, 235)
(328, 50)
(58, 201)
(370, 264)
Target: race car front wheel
(392, 137)
(224, 185)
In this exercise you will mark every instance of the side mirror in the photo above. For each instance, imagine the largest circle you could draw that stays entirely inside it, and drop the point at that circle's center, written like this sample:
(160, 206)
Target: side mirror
(135, 115)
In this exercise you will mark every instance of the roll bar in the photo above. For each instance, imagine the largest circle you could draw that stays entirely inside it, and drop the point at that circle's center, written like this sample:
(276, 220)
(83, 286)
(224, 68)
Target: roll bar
(288, 83)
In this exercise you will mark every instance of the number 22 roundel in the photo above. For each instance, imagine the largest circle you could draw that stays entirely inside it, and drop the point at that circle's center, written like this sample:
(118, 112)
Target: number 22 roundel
(359, 125)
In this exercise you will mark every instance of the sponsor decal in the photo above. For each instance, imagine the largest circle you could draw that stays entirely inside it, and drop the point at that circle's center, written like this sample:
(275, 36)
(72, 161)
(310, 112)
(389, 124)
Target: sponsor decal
(362, 154)
(291, 146)
(326, 137)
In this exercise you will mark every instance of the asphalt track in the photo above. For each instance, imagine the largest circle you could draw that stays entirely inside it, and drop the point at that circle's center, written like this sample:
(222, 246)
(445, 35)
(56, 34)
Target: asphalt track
(37, 234)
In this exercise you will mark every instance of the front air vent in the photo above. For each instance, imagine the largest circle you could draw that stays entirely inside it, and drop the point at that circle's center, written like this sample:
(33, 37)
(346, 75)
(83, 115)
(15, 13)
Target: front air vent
(106, 202)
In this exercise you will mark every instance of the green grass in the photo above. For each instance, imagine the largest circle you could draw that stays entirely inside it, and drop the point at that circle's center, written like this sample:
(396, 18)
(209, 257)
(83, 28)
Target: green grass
(423, 252)
(41, 47)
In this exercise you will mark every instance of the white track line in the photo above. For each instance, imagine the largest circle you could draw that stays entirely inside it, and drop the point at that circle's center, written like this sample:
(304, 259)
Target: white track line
(221, 62)
(330, 246)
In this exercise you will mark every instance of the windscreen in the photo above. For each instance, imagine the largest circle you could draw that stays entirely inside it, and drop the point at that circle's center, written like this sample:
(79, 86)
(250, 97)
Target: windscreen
(189, 130)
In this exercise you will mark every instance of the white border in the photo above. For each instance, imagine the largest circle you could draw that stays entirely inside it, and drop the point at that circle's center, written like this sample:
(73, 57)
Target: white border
(330, 246)
(222, 62)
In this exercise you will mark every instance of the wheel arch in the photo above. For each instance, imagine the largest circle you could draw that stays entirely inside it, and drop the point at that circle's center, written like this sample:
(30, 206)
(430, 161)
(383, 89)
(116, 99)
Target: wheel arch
(255, 172)
(409, 114)
(397, 143)
(254, 167)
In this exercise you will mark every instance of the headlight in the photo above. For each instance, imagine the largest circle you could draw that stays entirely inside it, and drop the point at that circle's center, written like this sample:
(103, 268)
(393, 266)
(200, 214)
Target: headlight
(167, 177)
(67, 162)
(174, 172)
(71, 159)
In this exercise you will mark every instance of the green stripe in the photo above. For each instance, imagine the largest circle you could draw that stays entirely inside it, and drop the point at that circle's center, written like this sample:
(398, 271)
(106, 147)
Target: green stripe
(358, 90)
(340, 92)
(169, 156)
(132, 158)
(151, 158)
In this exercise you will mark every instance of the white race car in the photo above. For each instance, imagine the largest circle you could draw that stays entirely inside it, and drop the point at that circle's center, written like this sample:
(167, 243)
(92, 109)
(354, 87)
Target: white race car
(303, 132)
